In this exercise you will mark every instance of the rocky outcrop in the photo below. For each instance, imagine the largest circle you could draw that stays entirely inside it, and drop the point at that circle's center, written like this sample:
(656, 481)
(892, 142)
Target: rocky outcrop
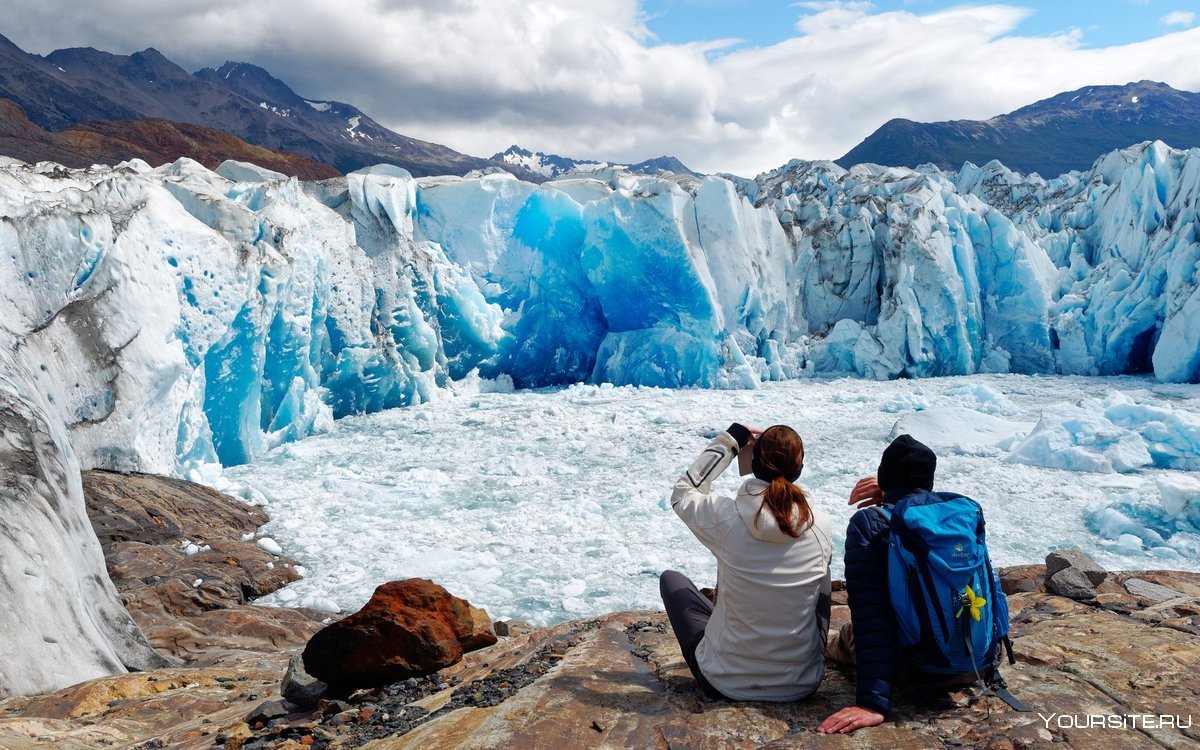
(408, 629)
(61, 620)
(169, 708)
(619, 682)
(159, 536)
(185, 561)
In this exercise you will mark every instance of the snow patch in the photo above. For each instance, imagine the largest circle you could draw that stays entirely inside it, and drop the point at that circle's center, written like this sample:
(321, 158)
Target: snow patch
(275, 110)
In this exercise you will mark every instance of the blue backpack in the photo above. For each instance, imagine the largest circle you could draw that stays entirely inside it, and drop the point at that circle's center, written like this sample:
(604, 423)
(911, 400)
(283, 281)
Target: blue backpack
(950, 610)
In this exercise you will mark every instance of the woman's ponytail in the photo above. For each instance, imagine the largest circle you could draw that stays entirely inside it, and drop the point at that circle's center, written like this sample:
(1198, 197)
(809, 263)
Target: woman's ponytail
(789, 505)
(781, 452)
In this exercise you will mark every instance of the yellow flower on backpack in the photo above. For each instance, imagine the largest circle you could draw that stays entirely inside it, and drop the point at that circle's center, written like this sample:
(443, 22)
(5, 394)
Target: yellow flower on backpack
(972, 602)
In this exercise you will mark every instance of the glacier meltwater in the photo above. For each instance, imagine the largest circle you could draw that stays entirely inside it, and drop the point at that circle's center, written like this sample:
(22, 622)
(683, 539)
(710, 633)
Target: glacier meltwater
(550, 504)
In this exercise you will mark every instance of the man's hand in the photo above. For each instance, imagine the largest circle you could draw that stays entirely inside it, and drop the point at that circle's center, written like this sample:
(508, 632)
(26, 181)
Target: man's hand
(849, 719)
(866, 493)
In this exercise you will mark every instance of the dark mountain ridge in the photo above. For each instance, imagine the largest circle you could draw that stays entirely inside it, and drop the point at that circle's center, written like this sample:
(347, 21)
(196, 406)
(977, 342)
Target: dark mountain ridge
(1066, 132)
(70, 86)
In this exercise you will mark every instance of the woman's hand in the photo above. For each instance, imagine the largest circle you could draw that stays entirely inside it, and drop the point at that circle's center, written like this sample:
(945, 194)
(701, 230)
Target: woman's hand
(754, 436)
(866, 493)
(849, 719)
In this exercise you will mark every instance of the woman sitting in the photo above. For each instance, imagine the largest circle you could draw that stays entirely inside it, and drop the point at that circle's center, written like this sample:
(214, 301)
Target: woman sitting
(765, 637)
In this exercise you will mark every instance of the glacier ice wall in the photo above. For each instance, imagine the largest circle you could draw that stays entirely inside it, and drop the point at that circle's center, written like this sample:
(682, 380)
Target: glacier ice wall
(62, 621)
(178, 318)
(1125, 241)
(902, 275)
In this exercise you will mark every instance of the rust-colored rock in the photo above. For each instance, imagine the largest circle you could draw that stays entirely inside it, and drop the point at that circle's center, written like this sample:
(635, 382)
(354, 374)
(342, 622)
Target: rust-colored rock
(408, 629)
(482, 633)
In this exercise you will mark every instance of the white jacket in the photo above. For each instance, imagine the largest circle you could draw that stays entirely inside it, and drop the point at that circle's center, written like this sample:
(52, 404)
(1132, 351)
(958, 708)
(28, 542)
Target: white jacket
(766, 637)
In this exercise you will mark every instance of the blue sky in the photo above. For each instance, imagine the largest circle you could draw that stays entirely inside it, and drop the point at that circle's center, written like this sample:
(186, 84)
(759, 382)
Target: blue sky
(765, 22)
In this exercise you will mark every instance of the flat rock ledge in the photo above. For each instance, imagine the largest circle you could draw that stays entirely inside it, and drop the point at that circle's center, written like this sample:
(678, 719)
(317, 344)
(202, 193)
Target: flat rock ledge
(618, 681)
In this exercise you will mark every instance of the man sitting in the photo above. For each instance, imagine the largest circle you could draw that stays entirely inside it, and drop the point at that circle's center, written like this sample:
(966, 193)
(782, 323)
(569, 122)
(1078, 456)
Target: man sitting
(940, 615)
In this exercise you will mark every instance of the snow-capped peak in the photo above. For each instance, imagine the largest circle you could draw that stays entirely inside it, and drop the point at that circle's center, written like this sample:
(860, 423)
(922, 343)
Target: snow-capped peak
(547, 165)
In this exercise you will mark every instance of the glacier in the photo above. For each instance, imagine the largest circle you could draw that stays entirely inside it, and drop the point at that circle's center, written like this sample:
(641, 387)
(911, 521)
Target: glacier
(180, 318)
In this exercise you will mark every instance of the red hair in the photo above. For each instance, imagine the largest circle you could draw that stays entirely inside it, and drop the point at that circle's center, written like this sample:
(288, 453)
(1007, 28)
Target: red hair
(780, 453)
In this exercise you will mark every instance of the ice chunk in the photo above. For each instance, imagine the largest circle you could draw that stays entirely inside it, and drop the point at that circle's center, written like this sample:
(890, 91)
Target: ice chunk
(1172, 436)
(320, 604)
(1081, 438)
(905, 402)
(982, 397)
(960, 430)
(1166, 522)
(1180, 498)
(270, 545)
(191, 548)
(1129, 543)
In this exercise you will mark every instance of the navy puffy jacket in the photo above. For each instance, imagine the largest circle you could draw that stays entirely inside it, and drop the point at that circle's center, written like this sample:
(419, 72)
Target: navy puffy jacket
(871, 609)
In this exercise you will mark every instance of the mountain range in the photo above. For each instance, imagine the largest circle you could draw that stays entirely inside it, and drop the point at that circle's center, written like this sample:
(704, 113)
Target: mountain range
(553, 165)
(84, 85)
(1056, 135)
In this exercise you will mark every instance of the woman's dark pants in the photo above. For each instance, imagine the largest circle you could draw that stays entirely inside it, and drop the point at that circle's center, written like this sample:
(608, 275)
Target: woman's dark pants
(688, 610)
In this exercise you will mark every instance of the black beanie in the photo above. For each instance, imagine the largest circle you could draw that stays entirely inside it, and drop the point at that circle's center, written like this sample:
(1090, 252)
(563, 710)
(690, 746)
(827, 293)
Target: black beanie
(907, 464)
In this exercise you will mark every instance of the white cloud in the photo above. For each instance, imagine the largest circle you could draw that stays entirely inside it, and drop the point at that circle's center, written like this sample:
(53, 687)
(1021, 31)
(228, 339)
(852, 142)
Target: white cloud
(1185, 18)
(589, 80)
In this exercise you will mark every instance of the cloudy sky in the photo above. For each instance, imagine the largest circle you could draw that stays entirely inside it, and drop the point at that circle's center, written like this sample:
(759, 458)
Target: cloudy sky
(726, 85)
